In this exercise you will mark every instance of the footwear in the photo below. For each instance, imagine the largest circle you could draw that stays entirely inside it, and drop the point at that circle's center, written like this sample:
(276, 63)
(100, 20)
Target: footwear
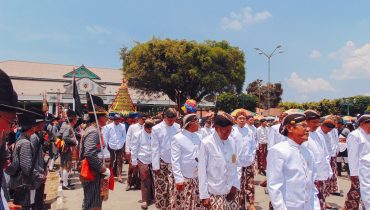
(67, 188)
(337, 194)
(128, 188)
(119, 179)
(70, 185)
(144, 205)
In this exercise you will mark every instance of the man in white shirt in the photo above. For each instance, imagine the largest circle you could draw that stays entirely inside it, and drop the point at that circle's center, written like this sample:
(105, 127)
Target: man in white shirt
(358, 145)
(184, 158)
(364, 176)
(324, 130)
(291, 169)
(141, 154)
(133, 173)
(162, 136)
(246, 151)
(115, 135)
(217, 169)
(262, 138)
(334, 142)
(275, 136)
(207, 129)
(316, 144)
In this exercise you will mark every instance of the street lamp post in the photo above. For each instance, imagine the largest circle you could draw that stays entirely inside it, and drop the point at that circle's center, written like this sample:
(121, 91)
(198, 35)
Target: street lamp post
(348, 103)
(268, 56)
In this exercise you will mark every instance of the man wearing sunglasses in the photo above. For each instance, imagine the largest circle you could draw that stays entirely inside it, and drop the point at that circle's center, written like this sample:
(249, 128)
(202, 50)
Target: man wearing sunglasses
(184, 158)
(162, 136)
(291, 169)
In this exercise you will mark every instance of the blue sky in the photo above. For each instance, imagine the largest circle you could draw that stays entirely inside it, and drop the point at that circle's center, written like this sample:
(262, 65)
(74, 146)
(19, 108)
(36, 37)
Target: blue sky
(326, 44)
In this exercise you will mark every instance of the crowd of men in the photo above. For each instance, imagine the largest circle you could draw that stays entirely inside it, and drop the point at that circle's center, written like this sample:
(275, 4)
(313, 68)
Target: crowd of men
(186, 163)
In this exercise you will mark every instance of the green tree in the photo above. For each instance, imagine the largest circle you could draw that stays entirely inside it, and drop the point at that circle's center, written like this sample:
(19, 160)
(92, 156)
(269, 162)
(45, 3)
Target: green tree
(181, 68)
(231, 101)
(259, 90)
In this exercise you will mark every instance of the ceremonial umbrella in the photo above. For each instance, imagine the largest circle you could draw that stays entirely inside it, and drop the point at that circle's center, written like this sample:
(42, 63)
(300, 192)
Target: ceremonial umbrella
(294, 111)
(233, 113)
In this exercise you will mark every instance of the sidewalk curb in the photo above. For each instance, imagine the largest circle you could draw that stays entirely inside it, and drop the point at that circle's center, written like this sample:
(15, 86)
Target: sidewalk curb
(60, 197)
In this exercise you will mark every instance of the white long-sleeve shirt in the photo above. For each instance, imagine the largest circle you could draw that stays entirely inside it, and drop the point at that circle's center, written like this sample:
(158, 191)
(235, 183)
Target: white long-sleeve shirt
(141, 147)
(114, 135)
(364, 176)
(130, 133)
(358, 145)
(162, 135)
(275, 136)
(206, 131)
(316, 145)
(217, 169)
(245, 146)
(184, 155)
(334, 142)
(291, 173)
(262, 135)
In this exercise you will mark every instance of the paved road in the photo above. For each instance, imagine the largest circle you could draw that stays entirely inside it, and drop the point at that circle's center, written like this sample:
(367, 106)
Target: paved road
(121, 200)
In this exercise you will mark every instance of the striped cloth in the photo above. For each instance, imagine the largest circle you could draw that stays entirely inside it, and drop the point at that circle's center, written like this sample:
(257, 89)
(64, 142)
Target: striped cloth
(89, 150)
(21, 163)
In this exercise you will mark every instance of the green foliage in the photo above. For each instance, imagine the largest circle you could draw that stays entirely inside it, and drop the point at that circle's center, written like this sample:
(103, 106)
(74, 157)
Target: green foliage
(181, 68)
(259, 90)
(231, 101)
(354, 105)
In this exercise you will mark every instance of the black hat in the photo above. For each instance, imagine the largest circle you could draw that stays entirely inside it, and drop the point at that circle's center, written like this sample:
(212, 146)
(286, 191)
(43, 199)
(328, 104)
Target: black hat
(311, 114)
(170, 113)
(71, 114)
(364, 118)
(8, 97)
(223, 119)
(40, 117)
(26, 121)
(291, 119)
(98, 104)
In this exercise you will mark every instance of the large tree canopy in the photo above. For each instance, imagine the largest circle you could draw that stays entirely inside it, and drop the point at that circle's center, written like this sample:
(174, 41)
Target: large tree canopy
(259, 90)
(181, 68)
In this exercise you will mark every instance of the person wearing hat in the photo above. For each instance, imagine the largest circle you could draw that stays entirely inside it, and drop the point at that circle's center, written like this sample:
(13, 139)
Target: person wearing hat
(207, 129)
(52, 130)
(245, 145)
(262, 138)
(334, 142)
(162, 136)
(343, 153)
(364, 177)
(325, 129)
(115, 136)
(23, 163)
(39, 172)
(141, 158)
(184, 159)
(8, 109)
(275, 136)
(217, 167)
(66, 134)
(93, 150)
(291, 168)
(316, 143)
(358, 145)
(132, 174)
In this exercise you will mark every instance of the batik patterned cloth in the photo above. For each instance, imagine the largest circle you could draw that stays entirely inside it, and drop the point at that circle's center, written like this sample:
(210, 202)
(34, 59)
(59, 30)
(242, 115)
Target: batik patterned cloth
(353, 195)
(189, 197)
(247, 188)
(163, 186)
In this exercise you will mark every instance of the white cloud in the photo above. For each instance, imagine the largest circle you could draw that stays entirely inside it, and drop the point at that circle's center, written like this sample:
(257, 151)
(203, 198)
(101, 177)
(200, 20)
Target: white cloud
(308, 85)
(237, 20)
(355, 62)
(97, 30)
(315, 54)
